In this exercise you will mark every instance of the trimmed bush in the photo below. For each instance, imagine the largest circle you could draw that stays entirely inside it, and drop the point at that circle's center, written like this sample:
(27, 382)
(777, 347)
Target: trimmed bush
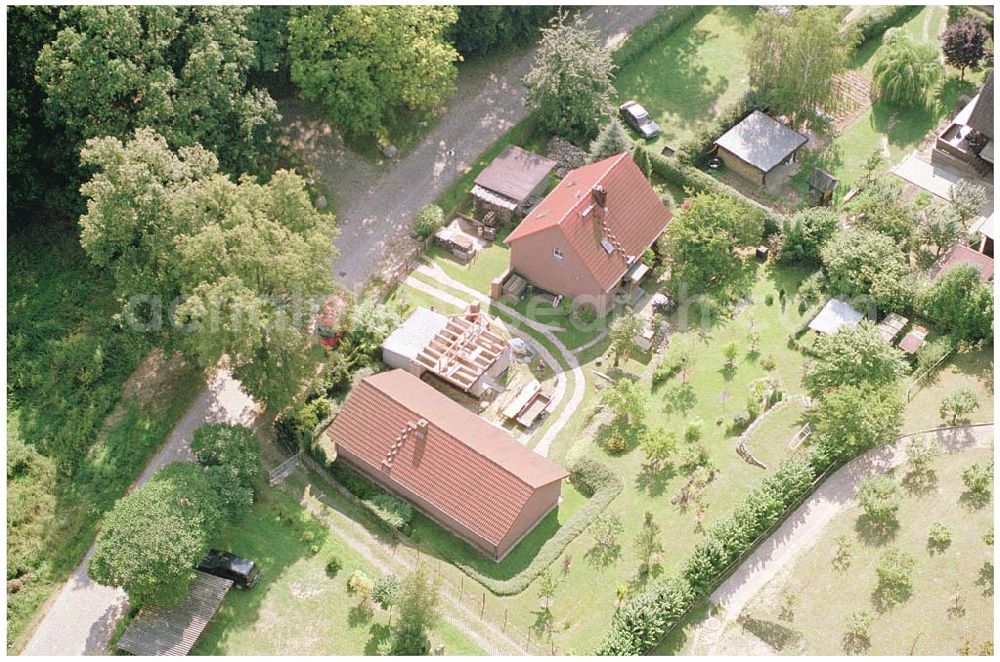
(396, 513)
(665, 23)
(333, 565)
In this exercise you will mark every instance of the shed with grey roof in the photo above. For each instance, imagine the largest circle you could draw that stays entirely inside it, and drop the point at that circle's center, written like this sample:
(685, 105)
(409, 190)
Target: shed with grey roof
(510, 181)
(758, 145)
(403, 345)
(836, 314)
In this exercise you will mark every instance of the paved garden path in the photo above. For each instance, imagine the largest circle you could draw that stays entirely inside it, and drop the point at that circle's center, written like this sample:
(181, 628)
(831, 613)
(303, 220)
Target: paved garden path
(377, 204)
(575, 373)
(82, 616)
(805, 526)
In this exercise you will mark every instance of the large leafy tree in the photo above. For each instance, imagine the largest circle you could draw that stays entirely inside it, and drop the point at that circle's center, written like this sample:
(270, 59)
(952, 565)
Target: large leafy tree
(240, 263)
(853, 355)
(703, 243)
(366, 64)
(180, 70)
(965, 43)
(962, 302)
(805, 233)
(905, 69)
(485, 29)
(231, 454)
(880, 207)
(851, 419)
(151, 539)
(860, 262)
(794, 59)
(570, 82)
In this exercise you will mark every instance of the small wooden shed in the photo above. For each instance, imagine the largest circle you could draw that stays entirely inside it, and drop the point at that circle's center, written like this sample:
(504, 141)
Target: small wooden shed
(822, 185)
(175, 630)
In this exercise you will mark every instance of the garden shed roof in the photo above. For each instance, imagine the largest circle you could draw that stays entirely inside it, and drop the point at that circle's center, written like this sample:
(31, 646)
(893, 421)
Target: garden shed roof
(175, 630)
(515, 173)
(835, 314)
(761, 141)
(961, 254)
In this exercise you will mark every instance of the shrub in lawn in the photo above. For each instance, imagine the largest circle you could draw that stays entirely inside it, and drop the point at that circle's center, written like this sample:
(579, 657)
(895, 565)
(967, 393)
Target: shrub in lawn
(769, 300)
(314, 549)
(308, 536)
(333, 565)
(429, 220)
(958, 404)
(386, 590)
(615, 442)
(856, 639)
(693, 431)
(741, 421)
(842, 554)
(396, 513)
(895, 577)
(768, 363)
(939, 536)
(988, 537)
(693, 456)
(361, 585)
(879, 498)
(978, 479)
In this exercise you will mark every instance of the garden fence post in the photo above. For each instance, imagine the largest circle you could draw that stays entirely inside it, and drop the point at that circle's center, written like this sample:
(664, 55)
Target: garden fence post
(504, 620)
(482, 610)
(461, 588)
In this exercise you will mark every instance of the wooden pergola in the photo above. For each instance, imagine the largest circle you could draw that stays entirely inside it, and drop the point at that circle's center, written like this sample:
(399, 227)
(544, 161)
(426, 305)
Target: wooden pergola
(464, 349)
(175, 630)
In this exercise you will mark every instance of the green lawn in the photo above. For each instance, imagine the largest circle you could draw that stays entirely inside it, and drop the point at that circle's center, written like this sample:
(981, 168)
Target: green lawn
(684, 80)
(932, 621)
(297, 608)
(972, 370)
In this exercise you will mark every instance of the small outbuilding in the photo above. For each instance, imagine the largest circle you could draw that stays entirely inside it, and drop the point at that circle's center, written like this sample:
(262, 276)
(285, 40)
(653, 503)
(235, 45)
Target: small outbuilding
(510, 181)
(822, 186)
(758, 145)
(175, 630)
(962, 254)
(835, 314)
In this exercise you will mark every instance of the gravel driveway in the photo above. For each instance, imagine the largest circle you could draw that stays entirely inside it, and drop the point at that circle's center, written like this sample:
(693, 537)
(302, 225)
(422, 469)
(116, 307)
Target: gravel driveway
(82, 616)
(377, 204)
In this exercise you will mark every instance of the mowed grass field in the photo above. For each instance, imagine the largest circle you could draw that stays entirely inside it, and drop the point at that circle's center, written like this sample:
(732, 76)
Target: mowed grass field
(951, 603)
(683, 80)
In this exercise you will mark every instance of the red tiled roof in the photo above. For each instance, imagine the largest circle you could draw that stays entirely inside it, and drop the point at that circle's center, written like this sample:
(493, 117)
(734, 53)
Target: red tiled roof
(472, 470)
(964, 255)
(634, 215)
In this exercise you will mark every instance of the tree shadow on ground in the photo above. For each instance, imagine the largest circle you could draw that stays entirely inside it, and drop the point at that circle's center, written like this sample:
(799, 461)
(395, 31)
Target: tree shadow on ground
(379, 639)
(887, 595)
(973, 501)
(543, 622)
(985, 579)
(875, 533)
(775, 635)
(359, 615)
(602, 556)
(920, 482)
(679, 398)
(654, 479)
(629, 434)
(855, 644)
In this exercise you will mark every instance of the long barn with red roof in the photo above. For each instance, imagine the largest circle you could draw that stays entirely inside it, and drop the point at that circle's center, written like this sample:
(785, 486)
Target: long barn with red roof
(590, 232)
(466, 474)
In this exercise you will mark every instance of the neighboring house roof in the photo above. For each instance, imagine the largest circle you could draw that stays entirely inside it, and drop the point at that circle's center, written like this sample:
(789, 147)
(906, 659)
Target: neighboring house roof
(611, 196)
(471, 470)
(761, 141)
(961, 254)
(515, 173)
(175, 630)
(415, 333)
(835, 314)
(986, 227)
(981, 118)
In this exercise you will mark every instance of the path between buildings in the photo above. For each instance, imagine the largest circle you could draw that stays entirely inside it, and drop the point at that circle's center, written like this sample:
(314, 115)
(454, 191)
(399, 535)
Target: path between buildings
(400, 559)
(805, 526)
(575, 373)
(82, 616)
(377, 204)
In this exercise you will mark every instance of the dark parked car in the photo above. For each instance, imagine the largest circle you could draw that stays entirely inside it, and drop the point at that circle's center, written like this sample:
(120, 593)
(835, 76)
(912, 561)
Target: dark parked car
(244, 573)
(636, 116)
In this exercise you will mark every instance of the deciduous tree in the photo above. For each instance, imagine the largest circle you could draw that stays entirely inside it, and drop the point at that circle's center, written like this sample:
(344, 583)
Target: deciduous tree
(958, 404)
(905, 69)
(959, 300)
(367, 64)
(853, 356)
(861, 262)
(805, 233)
(570, 82)
(964, 43)
(626, 402)
(418, 613)
(622, 336)
(849, 420)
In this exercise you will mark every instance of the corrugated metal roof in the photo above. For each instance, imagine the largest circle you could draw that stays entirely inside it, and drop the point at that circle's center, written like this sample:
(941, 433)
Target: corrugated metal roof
(761, 141)
(471, 470)
(515, 173)
(175, 630)
(631, 210)
(415, 333)
(835, 314)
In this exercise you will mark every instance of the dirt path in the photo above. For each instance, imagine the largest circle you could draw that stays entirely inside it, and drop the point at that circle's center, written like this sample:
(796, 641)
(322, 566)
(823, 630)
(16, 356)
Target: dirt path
(801, 531)
(400, 559)
(82, 616)
(376, 204)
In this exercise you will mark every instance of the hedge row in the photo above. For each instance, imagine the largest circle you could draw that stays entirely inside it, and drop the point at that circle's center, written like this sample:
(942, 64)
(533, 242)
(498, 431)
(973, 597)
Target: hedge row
(873, 25)
(589, 478)
(665, 23)
(644, 620)
(687, 176)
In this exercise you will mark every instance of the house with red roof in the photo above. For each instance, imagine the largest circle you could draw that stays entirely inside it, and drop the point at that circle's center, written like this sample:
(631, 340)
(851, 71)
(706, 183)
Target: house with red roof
(587, 237)
(470, 476)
